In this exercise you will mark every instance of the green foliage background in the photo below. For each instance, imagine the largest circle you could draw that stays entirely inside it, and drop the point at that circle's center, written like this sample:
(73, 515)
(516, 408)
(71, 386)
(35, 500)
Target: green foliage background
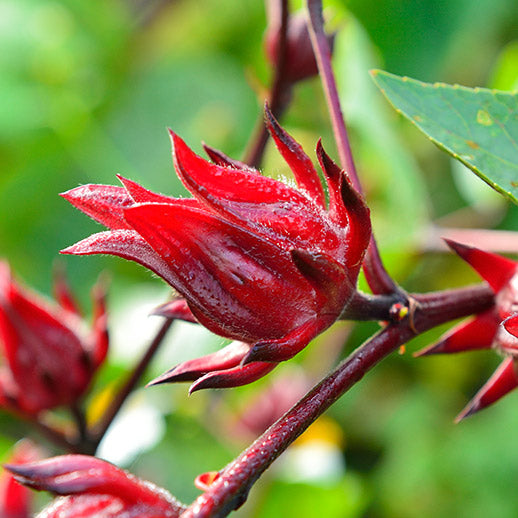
(87, 90)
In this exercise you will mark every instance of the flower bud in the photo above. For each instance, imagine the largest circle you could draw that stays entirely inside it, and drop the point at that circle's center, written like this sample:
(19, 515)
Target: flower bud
(495, 328)
(255, 260)
(300, 62)
(49, 357)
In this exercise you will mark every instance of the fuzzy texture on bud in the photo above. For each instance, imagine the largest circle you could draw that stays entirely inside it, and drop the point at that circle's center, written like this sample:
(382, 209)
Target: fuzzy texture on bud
(255, 260)
(495, 328)
(50, 357)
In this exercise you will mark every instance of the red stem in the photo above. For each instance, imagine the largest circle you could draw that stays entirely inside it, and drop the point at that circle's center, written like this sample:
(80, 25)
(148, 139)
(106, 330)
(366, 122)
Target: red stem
(231, 488)
(278, 96)
(323, 56)
(377, 277)
(127, 389)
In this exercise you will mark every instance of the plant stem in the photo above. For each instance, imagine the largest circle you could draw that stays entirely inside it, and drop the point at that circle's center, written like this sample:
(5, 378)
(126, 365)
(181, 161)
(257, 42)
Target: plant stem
(130, 384)
(56, 437)
(377, 277)
(230, 489)
(372, 307)
(79, 417)
(278, 97)
(323, 56)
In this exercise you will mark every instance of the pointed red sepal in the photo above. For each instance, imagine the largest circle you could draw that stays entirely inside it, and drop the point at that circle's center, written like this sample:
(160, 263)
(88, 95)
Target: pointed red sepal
(127, 244)
(346, 201)
(333, 176)
(477, 333)
(288, 346)
(212, 183)
(88, 479)
(503, 380)
(141, 195)
(103, 203)
(177, 309)
(219, 158)
(223, 359)
(99, 336)
(305, 173)
(493, 268)
(62, 292)
(327, 277)
(234, 377)
(511, 325)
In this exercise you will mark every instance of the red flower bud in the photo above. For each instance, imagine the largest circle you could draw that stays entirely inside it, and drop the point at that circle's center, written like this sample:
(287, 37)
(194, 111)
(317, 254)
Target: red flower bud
(495, 328)
(95, 488)
(256, 260)
(50, 359)
(300, 62)
(222, 369)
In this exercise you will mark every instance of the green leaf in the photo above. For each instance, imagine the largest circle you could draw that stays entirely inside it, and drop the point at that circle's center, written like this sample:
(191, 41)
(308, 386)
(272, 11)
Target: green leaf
(478, 127)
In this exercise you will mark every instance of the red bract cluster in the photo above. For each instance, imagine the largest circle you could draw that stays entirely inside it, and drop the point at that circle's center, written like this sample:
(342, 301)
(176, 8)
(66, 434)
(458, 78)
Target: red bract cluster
(49, 357)
(496, 328)
(94, 488)
(256, 260)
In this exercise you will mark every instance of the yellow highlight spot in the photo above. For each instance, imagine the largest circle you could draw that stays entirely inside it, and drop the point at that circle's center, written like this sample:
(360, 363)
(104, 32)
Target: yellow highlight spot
(417, 118)
(484, 118)
(324, 429)
(100, 404)
(472, 145)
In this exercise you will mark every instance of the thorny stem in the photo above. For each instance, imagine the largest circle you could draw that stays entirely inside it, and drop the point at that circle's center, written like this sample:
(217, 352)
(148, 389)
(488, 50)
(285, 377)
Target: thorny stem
(278, 97)
(231, 487)
(378, 279)
(130, 384)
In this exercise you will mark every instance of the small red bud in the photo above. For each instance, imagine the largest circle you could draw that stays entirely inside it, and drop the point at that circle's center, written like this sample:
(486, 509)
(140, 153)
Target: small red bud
(45, 346)
(495, 328)
(300, 62)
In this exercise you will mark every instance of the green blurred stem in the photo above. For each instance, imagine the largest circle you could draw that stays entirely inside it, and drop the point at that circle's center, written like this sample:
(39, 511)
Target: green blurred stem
(97, 434)
(230, 489)
(278, 98)
(377, 277)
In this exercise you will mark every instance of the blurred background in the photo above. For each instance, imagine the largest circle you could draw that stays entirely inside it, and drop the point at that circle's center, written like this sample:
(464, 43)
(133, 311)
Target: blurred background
(87, 90)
